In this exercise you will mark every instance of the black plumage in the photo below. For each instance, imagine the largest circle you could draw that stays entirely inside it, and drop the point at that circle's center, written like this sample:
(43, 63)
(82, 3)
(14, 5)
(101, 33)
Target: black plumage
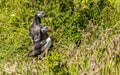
(38, 34)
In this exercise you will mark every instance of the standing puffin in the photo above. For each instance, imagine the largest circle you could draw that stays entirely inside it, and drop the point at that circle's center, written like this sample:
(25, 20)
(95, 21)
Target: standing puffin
(39, 36)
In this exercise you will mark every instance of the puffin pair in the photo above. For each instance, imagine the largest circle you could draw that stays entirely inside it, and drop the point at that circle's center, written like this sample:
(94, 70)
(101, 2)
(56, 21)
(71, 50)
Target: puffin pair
(39, 36)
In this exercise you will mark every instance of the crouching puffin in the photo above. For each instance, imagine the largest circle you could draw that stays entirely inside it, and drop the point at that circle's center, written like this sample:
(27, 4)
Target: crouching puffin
(39, 35)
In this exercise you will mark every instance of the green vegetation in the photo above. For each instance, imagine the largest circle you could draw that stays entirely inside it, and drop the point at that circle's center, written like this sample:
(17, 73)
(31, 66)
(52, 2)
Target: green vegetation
(86, 38)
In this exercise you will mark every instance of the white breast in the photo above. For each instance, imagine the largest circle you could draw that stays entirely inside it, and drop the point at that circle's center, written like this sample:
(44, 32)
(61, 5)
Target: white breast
(48, 44)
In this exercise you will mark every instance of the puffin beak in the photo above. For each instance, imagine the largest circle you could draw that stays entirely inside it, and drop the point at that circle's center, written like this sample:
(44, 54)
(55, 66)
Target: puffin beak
(46, 15)
(51, 30)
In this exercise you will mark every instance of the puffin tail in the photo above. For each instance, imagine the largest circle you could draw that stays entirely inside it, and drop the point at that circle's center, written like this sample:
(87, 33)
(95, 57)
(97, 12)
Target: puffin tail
(34, 53)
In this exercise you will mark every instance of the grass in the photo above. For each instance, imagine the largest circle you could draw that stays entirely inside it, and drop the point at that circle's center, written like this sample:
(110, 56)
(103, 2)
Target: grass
(86, 40)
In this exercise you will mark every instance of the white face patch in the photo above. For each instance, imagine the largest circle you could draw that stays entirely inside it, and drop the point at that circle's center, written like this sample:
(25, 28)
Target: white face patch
(45, 29)
(41, 14)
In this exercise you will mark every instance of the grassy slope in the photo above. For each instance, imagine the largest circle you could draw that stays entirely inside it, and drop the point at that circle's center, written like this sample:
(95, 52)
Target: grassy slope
(96, 28)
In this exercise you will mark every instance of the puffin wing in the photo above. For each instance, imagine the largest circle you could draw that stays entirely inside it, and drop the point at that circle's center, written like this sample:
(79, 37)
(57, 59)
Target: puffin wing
(40, 47)
(37, 49)
(47, 45)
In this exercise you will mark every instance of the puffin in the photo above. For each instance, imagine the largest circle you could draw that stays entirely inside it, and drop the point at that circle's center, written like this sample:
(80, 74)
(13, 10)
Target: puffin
(39, 35)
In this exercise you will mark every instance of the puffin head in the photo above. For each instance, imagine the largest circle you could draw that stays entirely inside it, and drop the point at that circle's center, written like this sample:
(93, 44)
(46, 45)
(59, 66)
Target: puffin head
(45, 29)
(41, 14)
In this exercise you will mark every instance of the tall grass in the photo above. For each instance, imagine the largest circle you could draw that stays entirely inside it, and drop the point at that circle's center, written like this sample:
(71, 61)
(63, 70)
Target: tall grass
(86, 40)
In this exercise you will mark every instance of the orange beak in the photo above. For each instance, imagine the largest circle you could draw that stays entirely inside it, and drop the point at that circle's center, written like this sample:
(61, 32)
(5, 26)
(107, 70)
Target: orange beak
(46, 15)
(51, 30)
